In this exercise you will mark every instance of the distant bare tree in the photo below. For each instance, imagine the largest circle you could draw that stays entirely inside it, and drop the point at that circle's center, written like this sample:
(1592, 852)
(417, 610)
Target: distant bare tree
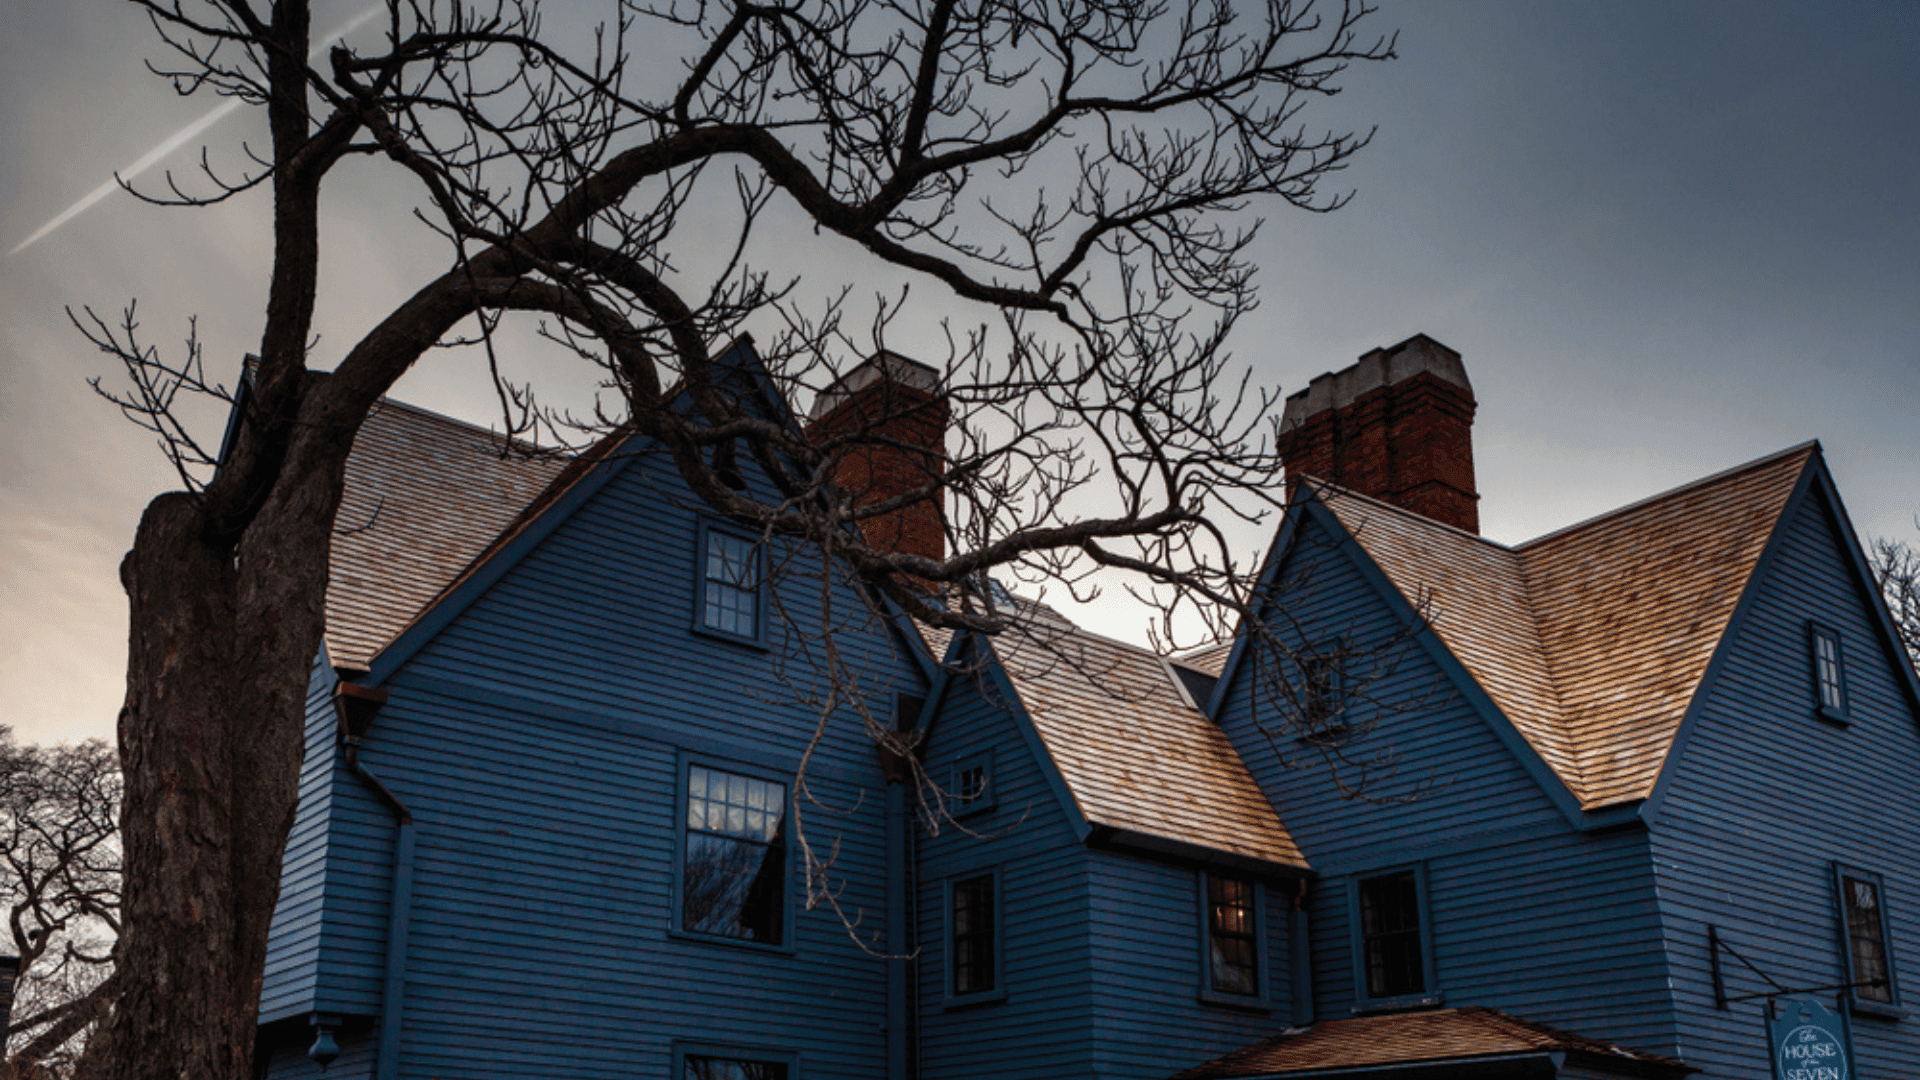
(60, 884)
(1896, 570)
(1077, 177)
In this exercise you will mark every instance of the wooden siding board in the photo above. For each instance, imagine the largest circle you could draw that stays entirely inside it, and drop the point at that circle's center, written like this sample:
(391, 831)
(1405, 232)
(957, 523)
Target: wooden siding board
(1148, 1019)
(291, 973)
(1041, 1030)
(1765, 797)
(539, 937)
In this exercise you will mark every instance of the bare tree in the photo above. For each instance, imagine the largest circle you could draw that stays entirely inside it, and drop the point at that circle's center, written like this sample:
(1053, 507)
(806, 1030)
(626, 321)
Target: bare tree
(1074, 178)
(1896, 570)
(60, 882)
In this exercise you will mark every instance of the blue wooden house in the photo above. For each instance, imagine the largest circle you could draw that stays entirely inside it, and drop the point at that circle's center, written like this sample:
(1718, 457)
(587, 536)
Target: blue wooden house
(1620, 783)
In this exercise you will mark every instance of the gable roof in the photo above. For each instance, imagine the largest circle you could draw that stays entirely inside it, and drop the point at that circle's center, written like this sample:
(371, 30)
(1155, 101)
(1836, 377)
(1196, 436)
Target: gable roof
(1441, 1036)
(1136, 756)
(1591, 640)
(425, 495)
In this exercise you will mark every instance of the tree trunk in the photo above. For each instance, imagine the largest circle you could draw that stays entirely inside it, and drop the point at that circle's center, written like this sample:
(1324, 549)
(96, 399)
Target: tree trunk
(210, 746)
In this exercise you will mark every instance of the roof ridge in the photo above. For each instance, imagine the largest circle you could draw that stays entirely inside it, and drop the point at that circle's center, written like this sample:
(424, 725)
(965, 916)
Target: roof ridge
(1328, 485)
(531, 449)
(1641, 504)
(1564, 745)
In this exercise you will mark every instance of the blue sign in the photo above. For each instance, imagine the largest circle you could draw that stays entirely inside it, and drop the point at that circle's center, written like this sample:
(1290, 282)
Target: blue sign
(1810, 1042)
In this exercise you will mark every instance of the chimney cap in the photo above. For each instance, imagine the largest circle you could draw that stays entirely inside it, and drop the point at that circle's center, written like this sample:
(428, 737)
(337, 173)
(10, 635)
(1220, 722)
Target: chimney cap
(1376, 369)
(883, 365)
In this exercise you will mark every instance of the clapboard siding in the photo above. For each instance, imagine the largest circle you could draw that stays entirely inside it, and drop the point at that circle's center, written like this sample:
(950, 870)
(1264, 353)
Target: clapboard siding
(1560, 928)
(294, 937)
(1041, 1029)
(537, 739)
(1147, 971)
(1764, 799)
(1527, 914)
(1453, 777)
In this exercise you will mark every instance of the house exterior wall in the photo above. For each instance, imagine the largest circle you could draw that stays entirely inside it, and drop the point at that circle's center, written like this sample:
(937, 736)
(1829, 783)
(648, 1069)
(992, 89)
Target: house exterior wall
(1148, 969)
(1038, 1025)
(1525, 913)
(1766, 797)
(540, 741)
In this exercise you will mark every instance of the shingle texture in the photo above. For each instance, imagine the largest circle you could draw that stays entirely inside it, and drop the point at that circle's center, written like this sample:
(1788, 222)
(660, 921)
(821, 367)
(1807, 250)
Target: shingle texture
(1133, 753)
(1438, 1036)
(425, 495)
(1592, 640)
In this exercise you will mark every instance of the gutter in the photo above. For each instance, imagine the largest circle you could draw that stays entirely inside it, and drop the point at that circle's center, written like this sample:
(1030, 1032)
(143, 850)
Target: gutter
(356, 706)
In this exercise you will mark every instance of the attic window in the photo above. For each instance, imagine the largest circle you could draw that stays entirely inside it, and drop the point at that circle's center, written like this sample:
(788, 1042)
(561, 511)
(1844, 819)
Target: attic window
(1829, 673)
(970, 787)
(1322, 678)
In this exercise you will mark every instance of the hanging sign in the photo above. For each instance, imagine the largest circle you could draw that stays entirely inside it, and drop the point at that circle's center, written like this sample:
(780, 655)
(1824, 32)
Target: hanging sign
(1810, 1042)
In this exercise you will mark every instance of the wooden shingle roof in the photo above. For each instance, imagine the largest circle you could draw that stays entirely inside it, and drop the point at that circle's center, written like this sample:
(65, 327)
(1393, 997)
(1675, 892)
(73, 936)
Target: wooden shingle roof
(1591, 640)
(1441, 1036)
(1134, 754)
(425, 495)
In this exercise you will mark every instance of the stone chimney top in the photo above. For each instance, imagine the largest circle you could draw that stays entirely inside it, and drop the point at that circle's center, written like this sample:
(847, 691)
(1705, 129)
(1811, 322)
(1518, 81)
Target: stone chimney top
(883, 365)
(1396, 426)
(1376, 370)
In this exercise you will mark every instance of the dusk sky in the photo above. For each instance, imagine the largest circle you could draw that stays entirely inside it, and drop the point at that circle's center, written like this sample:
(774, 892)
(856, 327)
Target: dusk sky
(1667, 239)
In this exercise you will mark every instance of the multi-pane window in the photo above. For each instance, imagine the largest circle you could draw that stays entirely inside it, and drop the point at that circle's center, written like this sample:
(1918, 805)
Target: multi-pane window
(1829, 676)
(731, 598)
(972, 943)
(696, 1067)
(1866, 938)
(733, 877)
(1390, 935)
(1232, 936)
(969, 783)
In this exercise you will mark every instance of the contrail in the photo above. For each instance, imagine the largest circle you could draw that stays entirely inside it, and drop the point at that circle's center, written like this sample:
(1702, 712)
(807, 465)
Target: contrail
(176, 141)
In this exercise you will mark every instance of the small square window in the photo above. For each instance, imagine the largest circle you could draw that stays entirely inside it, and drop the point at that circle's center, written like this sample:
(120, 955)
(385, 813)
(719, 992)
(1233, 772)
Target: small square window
(970, 786)
(733, 857)
(1868, 954)
(1233, 936)
(1829, 673)
(732, 599)
(973, 938)
(1393, 941)
(1320, 695)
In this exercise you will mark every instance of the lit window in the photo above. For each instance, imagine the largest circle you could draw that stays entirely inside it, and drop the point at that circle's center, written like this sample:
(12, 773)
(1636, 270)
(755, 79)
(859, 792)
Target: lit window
(696, 1067)
(972, 926)
(1829, 673)
(733, 875)
(1393, 954)
(731, 578)
(1233, 949)
(1869, 968)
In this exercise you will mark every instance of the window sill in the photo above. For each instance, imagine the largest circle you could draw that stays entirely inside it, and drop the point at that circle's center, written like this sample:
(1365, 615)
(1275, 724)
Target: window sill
(968, 1001)
(1833, 716)
(725, 942)
(1239, 1002)
(1881, 1009)
(1433, 999)
(706, 631)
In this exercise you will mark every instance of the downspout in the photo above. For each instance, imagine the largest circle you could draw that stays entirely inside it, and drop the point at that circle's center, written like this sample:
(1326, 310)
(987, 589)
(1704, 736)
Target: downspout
(356, 706)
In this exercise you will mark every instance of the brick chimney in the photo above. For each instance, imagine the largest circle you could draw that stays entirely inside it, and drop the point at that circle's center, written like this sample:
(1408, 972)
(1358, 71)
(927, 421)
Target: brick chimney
(890, 407)
(1396, 426)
